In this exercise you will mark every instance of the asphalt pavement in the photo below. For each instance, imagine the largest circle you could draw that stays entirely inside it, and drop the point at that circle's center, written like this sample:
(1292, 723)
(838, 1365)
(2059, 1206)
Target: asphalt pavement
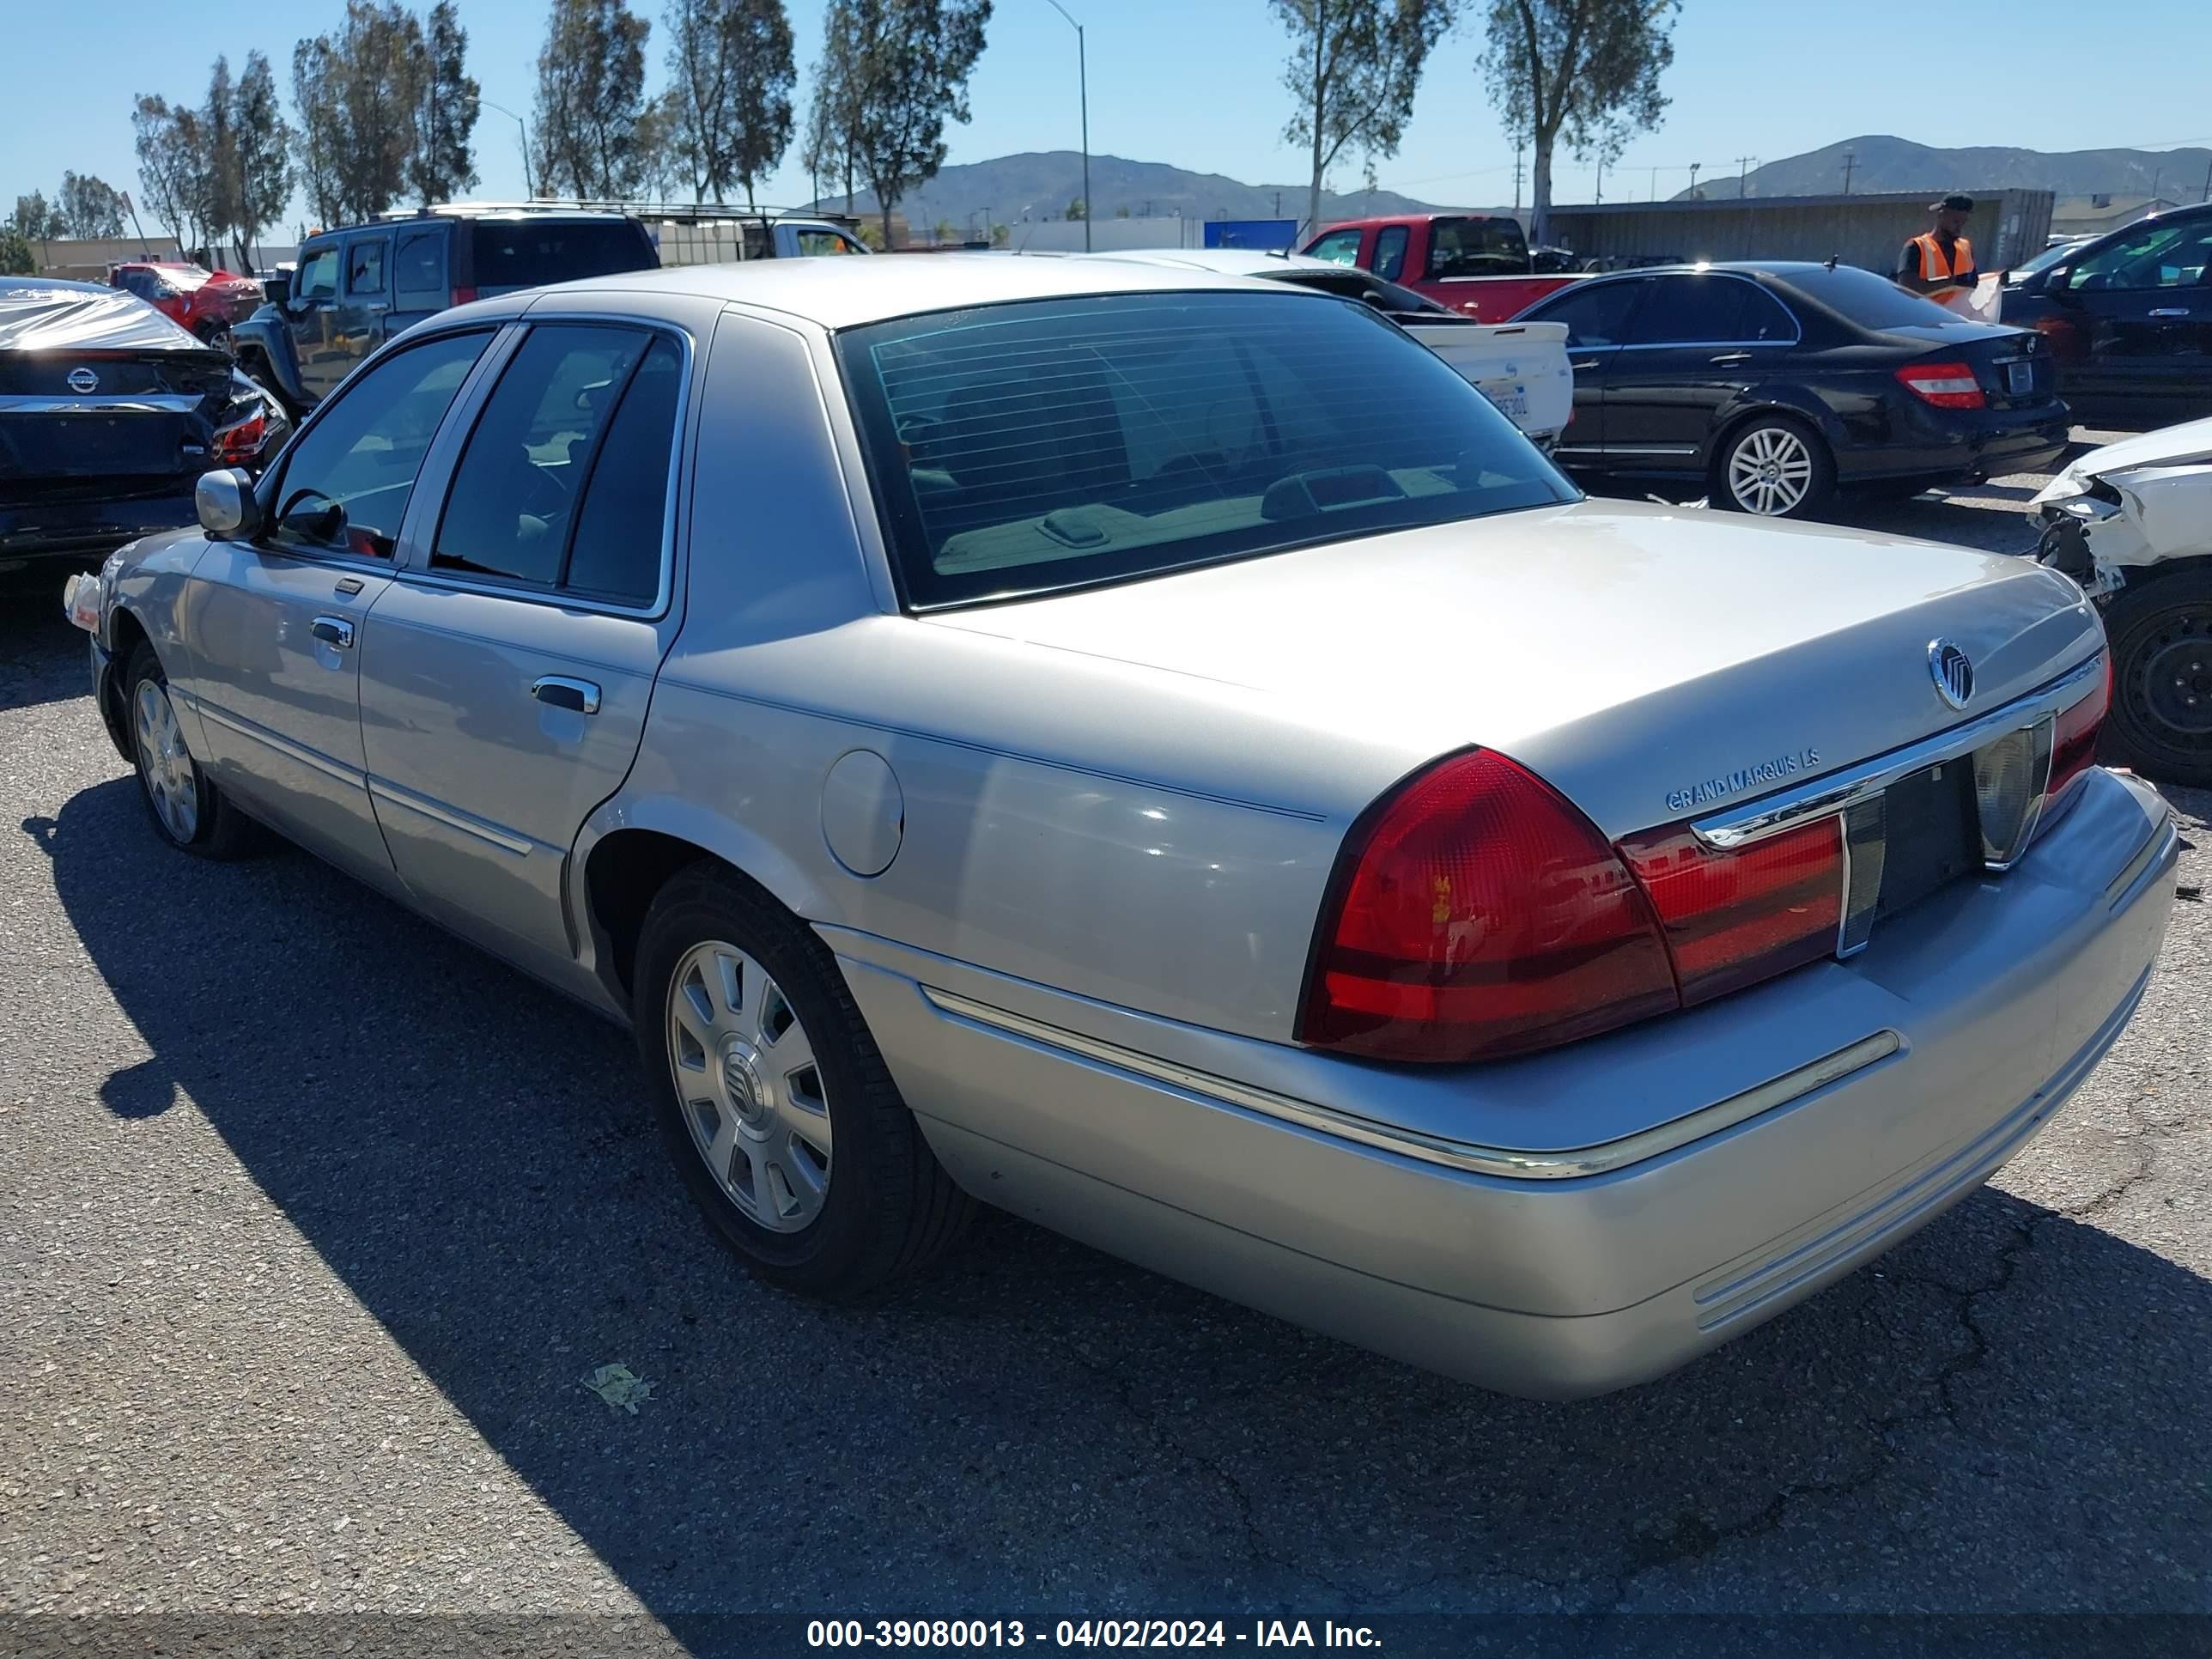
(313, 1220)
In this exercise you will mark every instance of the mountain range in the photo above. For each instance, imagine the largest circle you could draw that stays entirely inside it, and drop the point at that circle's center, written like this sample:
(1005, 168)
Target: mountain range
(1882, 162)
(1043, 185)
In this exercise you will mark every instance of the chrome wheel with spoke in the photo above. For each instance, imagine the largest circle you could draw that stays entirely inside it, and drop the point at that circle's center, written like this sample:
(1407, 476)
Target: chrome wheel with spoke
(165, 765)
(190, 813)
(1775, 469)
(750, 1085)
(773, 1100)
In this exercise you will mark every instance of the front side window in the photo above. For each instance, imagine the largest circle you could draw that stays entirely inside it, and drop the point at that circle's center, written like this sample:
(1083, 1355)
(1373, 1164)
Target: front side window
(815, 243)
(318, 274)
(2155, 255)
(513, 510)
(1390, 252)
(1475, 247)
(345, 484)
(1050, 444)
(1339, 247)
(1597, 314)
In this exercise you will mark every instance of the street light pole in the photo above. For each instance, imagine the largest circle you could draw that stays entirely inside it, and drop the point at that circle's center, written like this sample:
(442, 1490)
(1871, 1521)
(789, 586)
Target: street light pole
(1083, 93)
(528, 188)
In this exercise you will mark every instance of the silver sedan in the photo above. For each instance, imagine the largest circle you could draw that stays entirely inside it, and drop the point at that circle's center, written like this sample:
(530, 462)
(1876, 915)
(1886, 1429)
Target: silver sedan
(1160, 753)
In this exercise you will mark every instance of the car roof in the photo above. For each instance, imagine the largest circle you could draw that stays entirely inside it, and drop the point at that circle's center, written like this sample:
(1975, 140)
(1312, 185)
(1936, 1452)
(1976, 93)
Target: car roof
(837, 293)
(48, 284)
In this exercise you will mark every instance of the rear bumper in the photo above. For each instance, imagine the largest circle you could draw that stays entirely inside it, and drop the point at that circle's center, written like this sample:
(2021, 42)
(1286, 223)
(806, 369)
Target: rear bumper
(60, 528)
(2001, 994)
(1958, 444)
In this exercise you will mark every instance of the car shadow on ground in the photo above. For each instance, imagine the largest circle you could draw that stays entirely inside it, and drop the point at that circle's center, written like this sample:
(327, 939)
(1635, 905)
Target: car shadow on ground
(1042, 1427)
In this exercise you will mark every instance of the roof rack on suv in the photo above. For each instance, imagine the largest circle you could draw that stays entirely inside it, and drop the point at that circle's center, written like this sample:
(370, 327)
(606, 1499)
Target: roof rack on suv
(695, 210)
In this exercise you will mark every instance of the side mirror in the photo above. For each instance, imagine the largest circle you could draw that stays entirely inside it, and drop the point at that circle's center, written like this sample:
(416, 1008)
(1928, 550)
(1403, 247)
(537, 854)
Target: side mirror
(278, 288)
(227, 509)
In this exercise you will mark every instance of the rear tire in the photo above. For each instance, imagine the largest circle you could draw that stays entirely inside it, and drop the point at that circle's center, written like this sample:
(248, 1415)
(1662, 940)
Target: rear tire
(1774, 466)
(2160, 722)
(188, 810)
(773, 1100)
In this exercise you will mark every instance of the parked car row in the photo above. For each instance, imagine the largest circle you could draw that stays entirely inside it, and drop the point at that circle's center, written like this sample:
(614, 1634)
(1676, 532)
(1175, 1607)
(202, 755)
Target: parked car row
(1159, 751)
(1774, 386)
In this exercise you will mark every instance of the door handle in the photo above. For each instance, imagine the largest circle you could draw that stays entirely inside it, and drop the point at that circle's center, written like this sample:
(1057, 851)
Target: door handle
(1579, 368)
(2170, 311)
(333, 631)
(1731, 357)
(349, 585)
(558, 691)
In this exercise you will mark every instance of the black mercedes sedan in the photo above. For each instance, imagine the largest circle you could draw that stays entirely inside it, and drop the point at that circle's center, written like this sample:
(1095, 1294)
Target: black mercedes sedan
(109, 413)
(1774, 386)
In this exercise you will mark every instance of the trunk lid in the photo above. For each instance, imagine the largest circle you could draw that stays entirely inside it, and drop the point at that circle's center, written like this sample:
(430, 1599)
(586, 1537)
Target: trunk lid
(2013, 366)
(1651, 663)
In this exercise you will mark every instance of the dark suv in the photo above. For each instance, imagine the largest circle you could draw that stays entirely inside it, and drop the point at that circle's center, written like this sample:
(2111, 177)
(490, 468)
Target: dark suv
(2129, 317)
(354, 288)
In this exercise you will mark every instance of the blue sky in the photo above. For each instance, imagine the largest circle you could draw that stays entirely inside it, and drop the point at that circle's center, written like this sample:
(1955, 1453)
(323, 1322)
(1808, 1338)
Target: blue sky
(1198, 84)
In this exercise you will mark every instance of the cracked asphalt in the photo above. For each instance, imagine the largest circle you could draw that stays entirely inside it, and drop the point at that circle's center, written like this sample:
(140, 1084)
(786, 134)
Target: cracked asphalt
(312, 1220)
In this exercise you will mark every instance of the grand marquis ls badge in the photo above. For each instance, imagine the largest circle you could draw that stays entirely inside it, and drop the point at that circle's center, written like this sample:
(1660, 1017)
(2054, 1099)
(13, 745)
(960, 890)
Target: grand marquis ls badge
(1953, 671)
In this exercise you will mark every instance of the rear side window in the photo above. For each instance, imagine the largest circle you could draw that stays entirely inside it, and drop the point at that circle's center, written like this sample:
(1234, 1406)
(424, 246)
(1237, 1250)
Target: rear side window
(419, 265)
(1710, 309)
(1475, 247)
(616, 555)
(1390, 252)
(365, 265)
(1595, 314)
(526, 254)
(1023, 447)
(513, 509)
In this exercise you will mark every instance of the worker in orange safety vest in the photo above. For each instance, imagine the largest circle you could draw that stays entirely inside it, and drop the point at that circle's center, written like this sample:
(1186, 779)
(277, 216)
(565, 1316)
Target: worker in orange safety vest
(1940, 263)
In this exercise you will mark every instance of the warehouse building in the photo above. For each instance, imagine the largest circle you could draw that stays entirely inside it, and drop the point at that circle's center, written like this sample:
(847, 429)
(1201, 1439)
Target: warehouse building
(2008, 225)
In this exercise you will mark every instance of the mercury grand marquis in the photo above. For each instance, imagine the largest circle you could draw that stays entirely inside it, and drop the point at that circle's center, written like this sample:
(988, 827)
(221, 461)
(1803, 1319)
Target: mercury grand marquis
(1160, 753)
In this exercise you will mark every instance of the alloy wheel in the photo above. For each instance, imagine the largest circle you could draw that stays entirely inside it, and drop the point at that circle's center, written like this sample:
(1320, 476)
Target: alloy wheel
(165, 765)
(750, 1089)
(1769, 470)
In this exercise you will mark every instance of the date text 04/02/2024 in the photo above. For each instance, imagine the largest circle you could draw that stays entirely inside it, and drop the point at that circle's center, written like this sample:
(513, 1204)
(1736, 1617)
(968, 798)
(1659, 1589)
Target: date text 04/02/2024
(1083, 1633)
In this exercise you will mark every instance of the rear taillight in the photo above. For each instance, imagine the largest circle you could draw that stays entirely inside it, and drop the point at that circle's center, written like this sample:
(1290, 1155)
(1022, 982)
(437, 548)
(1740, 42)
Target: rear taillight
(1946, 385)
(1733, 918)
(237, 444)
(2074, 738)
(1475, 913)
(463, 296)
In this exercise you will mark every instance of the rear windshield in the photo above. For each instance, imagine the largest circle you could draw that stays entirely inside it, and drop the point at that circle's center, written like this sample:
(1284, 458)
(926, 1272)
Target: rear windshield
(530, 253)
(1021, 448)
(1869, 300)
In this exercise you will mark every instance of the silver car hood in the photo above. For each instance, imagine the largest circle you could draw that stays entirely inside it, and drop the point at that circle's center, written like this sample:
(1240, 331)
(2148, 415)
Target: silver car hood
(1628, 653)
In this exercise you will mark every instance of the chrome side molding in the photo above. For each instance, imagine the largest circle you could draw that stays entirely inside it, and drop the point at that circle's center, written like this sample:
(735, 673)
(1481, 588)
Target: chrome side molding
(1411, 1143)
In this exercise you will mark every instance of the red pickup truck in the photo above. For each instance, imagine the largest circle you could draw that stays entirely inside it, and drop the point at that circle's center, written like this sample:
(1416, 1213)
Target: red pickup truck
(1475, 263)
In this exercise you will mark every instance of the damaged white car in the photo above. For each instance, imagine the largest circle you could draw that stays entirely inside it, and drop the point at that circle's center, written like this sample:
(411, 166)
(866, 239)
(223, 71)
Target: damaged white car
(2132, 523)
